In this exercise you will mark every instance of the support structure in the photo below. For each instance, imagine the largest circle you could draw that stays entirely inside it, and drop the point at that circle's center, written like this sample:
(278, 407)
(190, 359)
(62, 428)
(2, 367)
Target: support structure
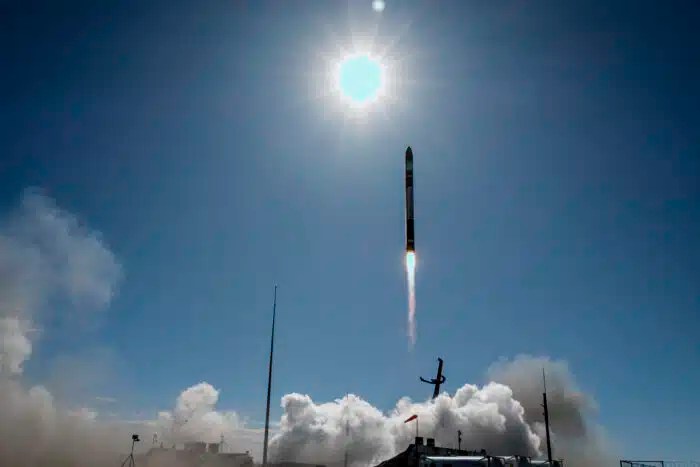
(129, 461)
(546, 418)
(630, 463)
(269, 380)
(437, 381)
(347, 440)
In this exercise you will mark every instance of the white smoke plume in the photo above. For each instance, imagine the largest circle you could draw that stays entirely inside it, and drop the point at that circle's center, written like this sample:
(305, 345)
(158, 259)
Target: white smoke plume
(491, 417)
(195, 418)
(15, 346)
(50, 264)
(54, 267)
(46, 257)
(574, 436)
(36, 432)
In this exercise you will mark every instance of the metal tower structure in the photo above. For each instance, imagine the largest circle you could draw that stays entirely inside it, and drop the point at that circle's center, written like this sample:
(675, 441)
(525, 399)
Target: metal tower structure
(546, 418)
(269, 380)
(437, 381)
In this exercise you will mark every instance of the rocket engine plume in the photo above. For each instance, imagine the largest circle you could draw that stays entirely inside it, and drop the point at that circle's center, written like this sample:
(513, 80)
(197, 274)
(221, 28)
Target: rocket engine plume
(410, 248)
(411, 283)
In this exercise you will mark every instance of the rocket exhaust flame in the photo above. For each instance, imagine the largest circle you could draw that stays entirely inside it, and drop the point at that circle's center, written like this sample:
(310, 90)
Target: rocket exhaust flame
(410, 248)
(411, 283)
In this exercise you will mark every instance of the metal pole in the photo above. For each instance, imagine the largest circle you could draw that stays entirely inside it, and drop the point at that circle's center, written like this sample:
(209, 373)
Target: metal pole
(269, 380)
(546, 419)
(347, 436)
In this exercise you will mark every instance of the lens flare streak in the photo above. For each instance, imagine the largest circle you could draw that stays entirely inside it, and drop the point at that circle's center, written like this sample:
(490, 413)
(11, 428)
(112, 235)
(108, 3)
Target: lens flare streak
(411, 283)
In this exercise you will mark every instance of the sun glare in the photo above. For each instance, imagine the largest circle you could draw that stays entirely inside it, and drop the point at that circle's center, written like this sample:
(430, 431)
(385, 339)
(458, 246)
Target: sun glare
(360, 79)
(378, 5)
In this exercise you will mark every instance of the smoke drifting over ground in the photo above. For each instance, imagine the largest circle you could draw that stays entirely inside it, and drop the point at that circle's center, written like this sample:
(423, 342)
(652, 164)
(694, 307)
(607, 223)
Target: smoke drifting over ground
(503, 417)
(53, 267)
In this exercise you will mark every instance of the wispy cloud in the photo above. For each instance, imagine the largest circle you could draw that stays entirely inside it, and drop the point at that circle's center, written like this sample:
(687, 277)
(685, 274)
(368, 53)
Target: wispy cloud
(105, 399)
(84, 413)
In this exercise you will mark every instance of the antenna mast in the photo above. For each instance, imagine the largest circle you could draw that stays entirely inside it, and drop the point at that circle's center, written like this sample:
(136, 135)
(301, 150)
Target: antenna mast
(546, 418)
(269, 380)
(347, 435)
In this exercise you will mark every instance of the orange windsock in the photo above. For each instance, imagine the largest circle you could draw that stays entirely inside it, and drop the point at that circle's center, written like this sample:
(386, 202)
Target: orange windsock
(412, 417)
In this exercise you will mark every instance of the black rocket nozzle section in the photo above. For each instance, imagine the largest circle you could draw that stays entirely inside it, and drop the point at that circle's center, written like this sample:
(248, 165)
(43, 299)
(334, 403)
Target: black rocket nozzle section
(437, 381)
(410, 234)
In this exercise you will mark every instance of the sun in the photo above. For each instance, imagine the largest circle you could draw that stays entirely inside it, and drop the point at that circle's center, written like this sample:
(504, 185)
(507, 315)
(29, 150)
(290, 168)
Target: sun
(378, 5)
(360, 79)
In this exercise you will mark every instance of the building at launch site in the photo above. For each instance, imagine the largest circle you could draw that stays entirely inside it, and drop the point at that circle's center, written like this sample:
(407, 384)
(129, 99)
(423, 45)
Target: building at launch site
(420, 454)
(293, 464)
(194, 454)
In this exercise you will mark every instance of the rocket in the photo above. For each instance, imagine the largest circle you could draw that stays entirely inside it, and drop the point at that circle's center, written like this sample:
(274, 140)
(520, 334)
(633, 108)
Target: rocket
(410, 240)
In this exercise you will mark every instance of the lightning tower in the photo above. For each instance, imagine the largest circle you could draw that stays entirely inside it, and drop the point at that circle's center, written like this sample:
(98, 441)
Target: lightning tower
(269, 380)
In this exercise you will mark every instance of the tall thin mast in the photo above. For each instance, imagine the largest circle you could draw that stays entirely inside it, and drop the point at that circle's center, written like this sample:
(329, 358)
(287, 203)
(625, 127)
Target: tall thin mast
(269, 380)
(347, 436)
(546, 418)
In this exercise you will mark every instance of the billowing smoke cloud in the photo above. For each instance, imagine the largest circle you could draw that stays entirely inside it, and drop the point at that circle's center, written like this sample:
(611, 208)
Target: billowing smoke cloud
(46, 257)
(49, 263)
(575, 437)
(51, 266)
(489, 418)
(36, 432)
(503, 417)
(15, 346)
(195, 418)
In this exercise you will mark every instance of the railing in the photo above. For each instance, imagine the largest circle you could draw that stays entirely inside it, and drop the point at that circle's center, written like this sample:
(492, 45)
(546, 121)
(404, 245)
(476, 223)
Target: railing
(630, 463)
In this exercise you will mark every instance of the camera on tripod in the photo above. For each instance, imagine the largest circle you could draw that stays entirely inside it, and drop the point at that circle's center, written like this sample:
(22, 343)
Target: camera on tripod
(130, 461)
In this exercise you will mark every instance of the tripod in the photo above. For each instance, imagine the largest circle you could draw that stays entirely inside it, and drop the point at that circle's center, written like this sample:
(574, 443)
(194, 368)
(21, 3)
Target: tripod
(129, 461)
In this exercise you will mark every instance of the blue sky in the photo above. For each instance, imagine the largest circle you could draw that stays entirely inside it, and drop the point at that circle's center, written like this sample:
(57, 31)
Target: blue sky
(556, 181)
